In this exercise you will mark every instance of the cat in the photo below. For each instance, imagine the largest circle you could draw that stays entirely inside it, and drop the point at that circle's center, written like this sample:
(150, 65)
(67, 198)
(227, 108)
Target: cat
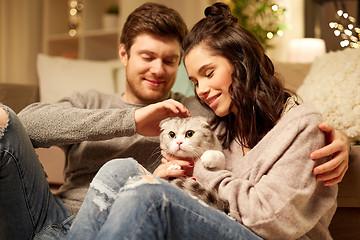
(192, 137)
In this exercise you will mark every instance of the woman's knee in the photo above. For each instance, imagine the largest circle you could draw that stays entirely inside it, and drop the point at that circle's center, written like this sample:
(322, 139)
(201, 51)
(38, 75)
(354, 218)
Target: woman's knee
(116, 172)
(118, 165)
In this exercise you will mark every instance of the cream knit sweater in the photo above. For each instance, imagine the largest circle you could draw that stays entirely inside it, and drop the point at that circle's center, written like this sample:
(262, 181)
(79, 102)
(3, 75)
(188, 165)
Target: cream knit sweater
(272, 189)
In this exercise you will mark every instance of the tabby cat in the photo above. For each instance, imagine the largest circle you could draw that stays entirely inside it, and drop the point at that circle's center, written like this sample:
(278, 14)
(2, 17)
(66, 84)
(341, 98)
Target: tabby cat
(190, 138)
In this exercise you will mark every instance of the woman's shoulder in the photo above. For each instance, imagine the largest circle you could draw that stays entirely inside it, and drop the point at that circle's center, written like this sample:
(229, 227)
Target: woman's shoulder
(301, 113)
(301, 123)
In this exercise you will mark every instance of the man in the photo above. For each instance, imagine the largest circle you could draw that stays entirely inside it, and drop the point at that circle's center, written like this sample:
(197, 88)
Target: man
(93, 128)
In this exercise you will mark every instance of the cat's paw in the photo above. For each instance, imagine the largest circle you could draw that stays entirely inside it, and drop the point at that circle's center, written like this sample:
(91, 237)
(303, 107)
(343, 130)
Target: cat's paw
(213, 159)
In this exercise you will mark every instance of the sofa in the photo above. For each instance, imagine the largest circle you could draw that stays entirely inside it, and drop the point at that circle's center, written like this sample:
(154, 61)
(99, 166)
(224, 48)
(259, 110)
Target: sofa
(57, 74)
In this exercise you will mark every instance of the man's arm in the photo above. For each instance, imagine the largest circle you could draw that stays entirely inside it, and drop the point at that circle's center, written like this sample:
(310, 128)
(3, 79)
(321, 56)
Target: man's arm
(81, 117)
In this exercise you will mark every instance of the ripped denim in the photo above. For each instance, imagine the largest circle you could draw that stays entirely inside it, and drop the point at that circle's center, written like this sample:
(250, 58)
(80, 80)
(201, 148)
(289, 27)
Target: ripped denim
(121, 204)
(28, 210)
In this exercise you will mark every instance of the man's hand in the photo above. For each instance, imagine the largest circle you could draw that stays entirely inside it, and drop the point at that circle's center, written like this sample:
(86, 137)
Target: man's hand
(147, 119)
(333, 171)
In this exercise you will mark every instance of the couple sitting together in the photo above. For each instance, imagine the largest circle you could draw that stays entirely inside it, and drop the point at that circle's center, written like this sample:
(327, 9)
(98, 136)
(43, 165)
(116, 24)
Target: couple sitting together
(277, 177)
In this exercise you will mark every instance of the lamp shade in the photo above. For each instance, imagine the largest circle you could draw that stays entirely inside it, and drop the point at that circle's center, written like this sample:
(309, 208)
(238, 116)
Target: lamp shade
(305, 50)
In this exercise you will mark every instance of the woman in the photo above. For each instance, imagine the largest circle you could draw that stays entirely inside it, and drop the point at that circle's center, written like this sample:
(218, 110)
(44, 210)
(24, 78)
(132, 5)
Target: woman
(268, 136)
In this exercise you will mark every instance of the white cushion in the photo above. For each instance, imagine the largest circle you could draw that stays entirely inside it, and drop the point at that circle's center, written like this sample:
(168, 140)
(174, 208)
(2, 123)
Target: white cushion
(59, 77)
(333, 87)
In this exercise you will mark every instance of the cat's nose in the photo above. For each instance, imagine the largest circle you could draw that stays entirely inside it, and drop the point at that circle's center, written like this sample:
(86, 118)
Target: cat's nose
(179, 143)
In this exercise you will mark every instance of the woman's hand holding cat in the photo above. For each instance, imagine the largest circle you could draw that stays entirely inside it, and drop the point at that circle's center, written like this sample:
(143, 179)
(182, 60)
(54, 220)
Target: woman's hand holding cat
(147, 119)
(174, 169)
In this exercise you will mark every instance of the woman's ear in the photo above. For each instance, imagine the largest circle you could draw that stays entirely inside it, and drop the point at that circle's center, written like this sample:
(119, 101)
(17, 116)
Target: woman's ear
(123, 54)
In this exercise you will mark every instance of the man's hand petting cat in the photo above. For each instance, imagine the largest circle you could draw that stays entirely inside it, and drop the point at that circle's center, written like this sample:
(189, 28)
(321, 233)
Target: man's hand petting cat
(147, 119)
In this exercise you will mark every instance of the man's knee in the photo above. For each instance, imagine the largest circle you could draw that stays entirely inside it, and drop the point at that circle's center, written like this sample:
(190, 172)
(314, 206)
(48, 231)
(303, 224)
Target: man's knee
(3, 117)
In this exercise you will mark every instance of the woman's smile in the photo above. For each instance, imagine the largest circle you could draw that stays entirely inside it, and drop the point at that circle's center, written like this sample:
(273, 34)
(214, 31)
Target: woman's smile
(211, 75)
(213, 101)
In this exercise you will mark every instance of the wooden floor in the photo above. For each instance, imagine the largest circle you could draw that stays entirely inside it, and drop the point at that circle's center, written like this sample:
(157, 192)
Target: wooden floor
(345, 224)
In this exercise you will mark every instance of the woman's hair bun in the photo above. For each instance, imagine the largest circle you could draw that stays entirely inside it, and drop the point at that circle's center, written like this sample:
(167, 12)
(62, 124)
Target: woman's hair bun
(220, 9)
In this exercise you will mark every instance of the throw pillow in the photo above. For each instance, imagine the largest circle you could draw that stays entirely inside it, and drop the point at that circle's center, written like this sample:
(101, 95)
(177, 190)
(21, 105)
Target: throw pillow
(59, 76)
(333, 87)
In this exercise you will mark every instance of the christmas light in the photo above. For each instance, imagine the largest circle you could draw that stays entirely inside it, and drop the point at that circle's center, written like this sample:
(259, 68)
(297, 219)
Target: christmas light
(344, 43)
(345, 28)
(333, 24)
(264, 18)
(73, 11)
(75, 16)
(275, 7)
(348, 32)
(72, 32)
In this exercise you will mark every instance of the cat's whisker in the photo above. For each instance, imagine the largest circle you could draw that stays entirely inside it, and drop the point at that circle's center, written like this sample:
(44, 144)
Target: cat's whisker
(197, 151)
(157, 151)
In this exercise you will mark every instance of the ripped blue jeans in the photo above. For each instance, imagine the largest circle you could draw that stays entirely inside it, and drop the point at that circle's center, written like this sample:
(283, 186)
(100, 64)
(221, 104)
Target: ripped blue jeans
(120, 204)
(28, 210)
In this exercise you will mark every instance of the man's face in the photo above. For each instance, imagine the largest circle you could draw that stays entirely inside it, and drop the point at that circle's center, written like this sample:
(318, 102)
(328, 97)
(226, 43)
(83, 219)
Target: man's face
(151, 68)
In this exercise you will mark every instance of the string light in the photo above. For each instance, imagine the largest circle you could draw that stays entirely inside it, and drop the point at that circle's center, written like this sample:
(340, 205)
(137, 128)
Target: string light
(279, 13)
(264, 18)
(345, 28)
(75, 16)
(269, 35)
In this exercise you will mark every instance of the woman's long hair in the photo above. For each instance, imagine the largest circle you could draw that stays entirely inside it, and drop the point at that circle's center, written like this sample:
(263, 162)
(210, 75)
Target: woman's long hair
(255, 90)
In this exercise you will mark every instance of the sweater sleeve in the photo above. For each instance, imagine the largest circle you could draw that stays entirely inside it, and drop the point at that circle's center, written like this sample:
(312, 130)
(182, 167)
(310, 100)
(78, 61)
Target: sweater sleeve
(272, 189)
(80, 117)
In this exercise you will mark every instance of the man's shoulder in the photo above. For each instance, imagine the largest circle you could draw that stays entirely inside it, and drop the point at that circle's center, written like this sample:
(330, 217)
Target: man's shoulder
(179, 96)
(94, 99)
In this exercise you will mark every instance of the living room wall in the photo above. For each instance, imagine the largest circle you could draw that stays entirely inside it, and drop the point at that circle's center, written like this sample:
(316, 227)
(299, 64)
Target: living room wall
(320, 12)
(20, 40)
(21, 33)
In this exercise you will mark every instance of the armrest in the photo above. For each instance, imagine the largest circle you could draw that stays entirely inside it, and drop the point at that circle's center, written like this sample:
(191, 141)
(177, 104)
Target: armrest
(53, 161)
(18, 96)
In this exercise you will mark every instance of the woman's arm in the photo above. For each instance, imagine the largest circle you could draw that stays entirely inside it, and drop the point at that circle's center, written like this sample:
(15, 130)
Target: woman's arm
(272, 189)
(333, 171)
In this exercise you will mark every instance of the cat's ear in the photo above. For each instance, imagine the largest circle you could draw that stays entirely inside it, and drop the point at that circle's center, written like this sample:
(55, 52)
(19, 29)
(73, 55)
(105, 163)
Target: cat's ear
(164, 123)
(202, 121)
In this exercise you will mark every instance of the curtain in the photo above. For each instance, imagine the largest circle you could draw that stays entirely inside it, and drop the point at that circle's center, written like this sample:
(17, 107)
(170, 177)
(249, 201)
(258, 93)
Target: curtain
(20, 40)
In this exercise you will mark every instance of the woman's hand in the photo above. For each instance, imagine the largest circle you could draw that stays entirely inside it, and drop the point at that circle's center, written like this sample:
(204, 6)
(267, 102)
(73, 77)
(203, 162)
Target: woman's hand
(172, 167)
(333, 171)
(147, 119)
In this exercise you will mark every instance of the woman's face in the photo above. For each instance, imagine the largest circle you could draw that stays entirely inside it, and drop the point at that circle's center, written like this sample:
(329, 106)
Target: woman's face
(211, 75)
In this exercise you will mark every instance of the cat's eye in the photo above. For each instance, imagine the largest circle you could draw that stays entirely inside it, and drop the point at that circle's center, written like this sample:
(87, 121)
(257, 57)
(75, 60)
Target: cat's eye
(172, 134)
(189, 133)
